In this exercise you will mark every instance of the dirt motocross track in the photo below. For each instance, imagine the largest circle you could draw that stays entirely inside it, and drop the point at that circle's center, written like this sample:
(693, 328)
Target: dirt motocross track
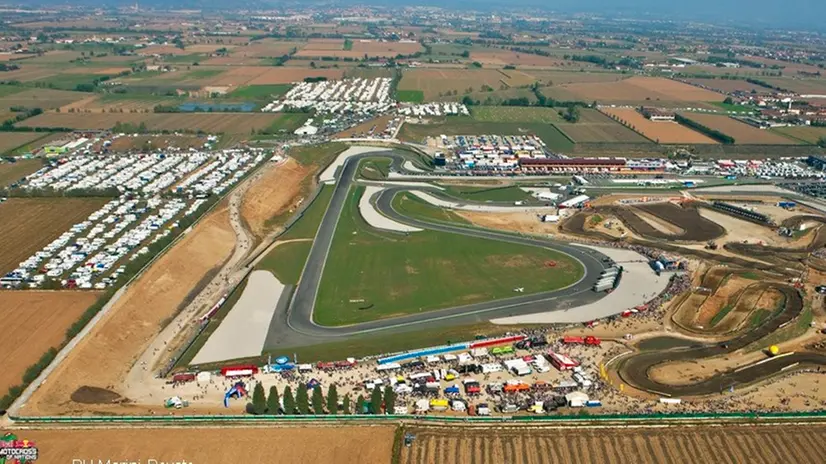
(694, 227)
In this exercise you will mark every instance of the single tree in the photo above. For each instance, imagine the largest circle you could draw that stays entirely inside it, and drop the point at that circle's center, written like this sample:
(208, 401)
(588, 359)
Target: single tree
(302, 399)
(345, 405)
(289, 401)
(822, 142)
(318, 401)
(389, 400)
(273, 403)
(359, 405)
(259, 399)
(332, 400)
(375, 401)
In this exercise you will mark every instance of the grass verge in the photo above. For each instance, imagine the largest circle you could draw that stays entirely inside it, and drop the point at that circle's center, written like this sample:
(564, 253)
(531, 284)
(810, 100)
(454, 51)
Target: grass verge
(286, 261)
(374, 168)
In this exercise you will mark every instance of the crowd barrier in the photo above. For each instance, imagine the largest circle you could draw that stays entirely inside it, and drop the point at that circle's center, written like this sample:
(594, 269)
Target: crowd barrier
(410, 417)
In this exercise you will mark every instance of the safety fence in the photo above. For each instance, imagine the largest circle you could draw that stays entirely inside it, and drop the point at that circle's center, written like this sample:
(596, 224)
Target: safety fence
(592, 418)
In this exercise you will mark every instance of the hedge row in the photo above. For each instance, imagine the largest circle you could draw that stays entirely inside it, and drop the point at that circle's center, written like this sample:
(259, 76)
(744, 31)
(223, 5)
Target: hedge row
(714, 134)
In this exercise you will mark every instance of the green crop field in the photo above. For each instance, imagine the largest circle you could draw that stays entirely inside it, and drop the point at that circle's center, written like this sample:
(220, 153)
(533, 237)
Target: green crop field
(287, 122)
(554, 139)
(728, 107)
(515, 114)
(286, 261)
(260, 92)
(372, 275)
(412, 96)
(805, 134)
(509, 193)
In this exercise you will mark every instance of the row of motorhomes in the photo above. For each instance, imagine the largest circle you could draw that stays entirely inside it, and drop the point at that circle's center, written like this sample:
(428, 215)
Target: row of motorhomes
(435, 109)
(340, 96)
(87, 255)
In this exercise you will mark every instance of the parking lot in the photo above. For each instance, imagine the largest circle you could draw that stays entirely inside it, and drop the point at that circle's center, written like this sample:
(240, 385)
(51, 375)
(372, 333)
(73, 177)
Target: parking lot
(152, 194)
(364, 96)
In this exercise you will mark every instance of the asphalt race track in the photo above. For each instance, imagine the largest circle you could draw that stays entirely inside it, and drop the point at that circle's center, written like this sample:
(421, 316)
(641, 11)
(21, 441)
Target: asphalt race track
(295, 326)
(634, 369)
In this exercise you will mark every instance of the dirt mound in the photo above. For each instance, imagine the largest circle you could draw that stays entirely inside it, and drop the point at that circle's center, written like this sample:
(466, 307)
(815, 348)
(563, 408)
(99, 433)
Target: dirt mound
(95, 395)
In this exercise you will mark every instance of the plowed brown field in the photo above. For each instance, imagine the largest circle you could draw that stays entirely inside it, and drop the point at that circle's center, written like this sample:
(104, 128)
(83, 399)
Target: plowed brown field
(33, 322)
(642, 89)
(662, 132)
(515, 445)
(742, 132)
(29, 224)
(435, 81)
(266, 75)
(230, 123)
(293, 445)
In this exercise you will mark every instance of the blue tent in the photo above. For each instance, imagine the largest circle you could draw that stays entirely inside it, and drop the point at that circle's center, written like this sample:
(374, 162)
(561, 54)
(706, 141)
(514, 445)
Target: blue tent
(452, 389)
(282, 360)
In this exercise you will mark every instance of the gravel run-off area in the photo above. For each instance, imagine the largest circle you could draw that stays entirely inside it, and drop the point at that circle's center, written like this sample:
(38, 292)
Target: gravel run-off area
(242, 333)
(376, 219)
(638, 285)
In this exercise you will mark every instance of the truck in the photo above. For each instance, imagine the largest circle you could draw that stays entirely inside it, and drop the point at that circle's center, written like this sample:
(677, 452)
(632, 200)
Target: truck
(602, 287)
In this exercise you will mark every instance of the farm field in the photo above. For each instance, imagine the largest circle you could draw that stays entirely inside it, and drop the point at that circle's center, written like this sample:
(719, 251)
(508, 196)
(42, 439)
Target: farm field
(803, 133)
(230, 123)
(660, 132)
(29, 224)
(268, 75)
(515, 114)
(120, 103)
(558, 78)
(29, 73)
(554, 139)
(341, 444)
(801, 86)
(11, 172)
(516, 445)
(641, 89)
(434, 82)
(405, 275)
(729, 85)
(146, 143)
(594, 126)
(33, 322)
(496, 57)
(317, 48)
(742, 132)
(11, 140)
(45, 99)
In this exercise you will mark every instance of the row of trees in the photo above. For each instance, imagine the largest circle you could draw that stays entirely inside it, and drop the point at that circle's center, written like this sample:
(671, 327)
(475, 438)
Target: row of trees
(304, 402)
(713, 133)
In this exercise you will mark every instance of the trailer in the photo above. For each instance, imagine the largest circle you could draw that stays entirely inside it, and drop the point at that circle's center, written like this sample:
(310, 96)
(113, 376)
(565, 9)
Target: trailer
(183, 377)
(239, 371)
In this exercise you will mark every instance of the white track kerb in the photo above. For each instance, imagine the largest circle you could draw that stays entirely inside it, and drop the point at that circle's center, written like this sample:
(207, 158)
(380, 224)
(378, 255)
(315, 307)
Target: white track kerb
(374, 218)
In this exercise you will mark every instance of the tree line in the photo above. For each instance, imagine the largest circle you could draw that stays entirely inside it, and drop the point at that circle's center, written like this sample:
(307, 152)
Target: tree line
(304, 402)
(713, 133)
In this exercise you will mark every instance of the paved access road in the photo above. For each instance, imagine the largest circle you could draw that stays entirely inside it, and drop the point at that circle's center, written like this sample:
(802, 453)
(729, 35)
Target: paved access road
(295, 326)
(634, 370)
